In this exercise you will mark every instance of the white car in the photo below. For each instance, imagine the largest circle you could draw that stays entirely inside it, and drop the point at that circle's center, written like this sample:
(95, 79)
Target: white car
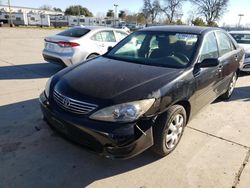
(243, 39)
(80, 43)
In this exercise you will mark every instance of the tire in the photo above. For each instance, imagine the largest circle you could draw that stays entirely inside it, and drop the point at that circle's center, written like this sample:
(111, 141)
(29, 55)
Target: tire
(165, 126)
(91, 56)
(230, 89)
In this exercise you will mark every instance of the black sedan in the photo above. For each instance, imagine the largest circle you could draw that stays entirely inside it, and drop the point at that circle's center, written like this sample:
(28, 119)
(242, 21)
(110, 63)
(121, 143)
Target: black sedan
(142, 92)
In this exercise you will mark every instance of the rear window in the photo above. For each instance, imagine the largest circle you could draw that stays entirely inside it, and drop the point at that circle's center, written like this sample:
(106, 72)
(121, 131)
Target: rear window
(74, 32)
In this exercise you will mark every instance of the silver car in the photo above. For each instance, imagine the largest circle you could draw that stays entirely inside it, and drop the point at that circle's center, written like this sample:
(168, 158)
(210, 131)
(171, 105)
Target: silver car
(80, 43)
(243, 39)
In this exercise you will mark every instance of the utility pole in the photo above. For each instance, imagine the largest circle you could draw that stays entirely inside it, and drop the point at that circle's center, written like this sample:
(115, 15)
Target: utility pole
(115, 16)
(240, 16)
(78, 14)
(10, 16)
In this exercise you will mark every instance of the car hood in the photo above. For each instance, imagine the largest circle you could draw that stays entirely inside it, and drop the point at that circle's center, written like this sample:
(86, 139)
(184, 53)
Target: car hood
(109, 79)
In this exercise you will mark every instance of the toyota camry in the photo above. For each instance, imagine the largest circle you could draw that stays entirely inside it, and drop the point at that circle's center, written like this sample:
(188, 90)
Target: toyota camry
(142, 92)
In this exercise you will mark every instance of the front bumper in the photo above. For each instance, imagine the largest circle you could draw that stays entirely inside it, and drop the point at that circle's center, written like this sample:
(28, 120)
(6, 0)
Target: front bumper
(107, 139)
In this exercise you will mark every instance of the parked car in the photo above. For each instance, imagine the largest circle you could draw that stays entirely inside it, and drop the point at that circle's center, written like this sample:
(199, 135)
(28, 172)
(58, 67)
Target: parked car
(144, 91)
(80, 43)
(243, 39)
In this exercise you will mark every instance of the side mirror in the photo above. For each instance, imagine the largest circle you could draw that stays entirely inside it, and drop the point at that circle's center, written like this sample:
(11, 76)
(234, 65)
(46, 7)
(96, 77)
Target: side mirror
(110, 48)
(210, 62)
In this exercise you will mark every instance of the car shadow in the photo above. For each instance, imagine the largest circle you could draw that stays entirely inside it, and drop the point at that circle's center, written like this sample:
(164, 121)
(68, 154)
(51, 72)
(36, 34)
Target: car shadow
(241, 93)
(29, 71)
(243, 74)
(36, 155)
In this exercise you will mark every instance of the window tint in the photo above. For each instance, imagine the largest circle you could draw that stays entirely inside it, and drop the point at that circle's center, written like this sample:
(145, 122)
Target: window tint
(225, 44)
(108, 36)
(74, 32)
(120, 35)
(209, 47)
(97, 37)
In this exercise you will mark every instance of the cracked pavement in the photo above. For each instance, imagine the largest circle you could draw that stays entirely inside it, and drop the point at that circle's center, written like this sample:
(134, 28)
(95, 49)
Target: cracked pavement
(214, 151)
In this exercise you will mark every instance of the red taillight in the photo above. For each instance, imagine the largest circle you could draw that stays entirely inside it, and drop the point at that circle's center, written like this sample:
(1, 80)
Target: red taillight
(67, 44)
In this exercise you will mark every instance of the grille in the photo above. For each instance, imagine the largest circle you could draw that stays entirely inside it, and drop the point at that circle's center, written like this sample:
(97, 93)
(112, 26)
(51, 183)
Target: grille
(73, 105)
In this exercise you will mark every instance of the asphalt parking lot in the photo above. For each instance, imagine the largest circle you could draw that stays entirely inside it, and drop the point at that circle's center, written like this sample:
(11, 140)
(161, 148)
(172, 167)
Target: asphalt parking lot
(214, 151)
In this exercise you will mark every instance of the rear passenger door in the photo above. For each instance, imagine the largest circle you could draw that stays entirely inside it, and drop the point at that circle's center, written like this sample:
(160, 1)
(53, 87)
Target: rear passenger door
(120, 35)
(228, 57)
(104, 39)
(109, 39)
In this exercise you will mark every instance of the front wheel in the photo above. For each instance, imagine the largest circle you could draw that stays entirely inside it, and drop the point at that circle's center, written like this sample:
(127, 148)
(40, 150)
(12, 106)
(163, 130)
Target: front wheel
(168, 130)
(230, 89)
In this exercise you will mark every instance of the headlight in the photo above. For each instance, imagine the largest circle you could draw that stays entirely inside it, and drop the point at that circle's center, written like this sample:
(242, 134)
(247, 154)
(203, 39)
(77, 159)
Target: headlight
(126, 112)
(47, 87)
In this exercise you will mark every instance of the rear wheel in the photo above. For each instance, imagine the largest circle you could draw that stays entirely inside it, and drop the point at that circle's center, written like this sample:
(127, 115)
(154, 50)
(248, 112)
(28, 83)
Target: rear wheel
(230, 89)
(168, 130)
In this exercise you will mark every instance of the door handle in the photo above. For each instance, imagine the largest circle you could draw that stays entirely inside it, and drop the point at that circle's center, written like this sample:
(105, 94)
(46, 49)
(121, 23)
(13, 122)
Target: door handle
(220, 68)
(236, 57)
(101, 45)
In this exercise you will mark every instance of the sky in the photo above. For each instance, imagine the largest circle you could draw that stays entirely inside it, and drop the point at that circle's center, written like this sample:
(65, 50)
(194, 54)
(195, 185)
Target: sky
(99, 7)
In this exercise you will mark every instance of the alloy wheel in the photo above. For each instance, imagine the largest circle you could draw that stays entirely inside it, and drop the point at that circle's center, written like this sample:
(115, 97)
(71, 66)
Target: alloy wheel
(174, 131)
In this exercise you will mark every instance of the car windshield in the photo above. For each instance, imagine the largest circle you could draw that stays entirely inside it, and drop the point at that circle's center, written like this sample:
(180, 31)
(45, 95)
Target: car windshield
(165, 49)
(74, 32)
(242, 38)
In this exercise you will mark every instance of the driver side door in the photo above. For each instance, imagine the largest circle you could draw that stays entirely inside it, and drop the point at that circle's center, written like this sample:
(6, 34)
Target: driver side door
(206, 79)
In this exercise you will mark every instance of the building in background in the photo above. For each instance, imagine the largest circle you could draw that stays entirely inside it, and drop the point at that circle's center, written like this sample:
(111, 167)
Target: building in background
(27, 10)
(36, 17)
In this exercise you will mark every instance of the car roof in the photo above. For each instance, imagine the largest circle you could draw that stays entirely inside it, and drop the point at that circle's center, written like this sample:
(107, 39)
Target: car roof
(99, 28)
(240, 32)
(182, 29)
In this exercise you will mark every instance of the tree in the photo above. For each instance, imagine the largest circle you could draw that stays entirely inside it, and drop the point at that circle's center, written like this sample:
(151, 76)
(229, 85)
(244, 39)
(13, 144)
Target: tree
(198, 22)
(179, 22)
(46, 7)
(131, 18)
(78, 10)
(151, 9)
(122, 14)
(110, 14)
(212, 24)
(57, 9)
(141, 18)
(172, 9)
(212, 10)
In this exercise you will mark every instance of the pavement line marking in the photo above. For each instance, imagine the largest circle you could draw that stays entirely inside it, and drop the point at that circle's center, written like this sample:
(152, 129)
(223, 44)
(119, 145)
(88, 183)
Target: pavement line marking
(218, 137)
(242, 167)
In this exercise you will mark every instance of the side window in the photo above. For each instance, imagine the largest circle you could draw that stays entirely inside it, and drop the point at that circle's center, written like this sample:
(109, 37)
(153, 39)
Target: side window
(97, 37)
(225, 43)
(120, 35)
(108, 36)
(209, 47)
(153, 43)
